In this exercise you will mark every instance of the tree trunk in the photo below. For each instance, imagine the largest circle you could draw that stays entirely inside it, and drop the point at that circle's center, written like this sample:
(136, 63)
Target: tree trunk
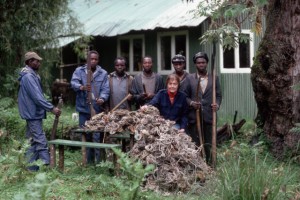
(276, 69)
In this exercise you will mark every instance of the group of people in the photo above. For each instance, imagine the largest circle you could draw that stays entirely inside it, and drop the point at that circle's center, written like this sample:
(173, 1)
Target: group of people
(178, 100)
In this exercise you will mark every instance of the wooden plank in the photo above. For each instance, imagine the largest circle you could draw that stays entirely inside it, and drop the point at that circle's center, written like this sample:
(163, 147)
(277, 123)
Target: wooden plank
(86, 131)
(85, 144)
(61, 162)
(83, 150)
(120, 136)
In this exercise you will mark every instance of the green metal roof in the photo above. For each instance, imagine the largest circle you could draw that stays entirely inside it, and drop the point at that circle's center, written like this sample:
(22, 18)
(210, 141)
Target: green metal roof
(117, 17)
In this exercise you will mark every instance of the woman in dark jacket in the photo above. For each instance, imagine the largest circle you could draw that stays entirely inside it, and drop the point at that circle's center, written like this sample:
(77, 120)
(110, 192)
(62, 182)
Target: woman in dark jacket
(171, 103)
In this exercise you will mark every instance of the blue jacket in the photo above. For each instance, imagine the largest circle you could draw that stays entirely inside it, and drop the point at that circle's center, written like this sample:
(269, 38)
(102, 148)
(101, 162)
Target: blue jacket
(31, 101)
(99, 86)
(177, 112)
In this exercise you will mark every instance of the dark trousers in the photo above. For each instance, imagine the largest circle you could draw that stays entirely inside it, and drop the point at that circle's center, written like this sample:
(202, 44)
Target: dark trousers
(93, 155)
(207, 136)
(38, 143)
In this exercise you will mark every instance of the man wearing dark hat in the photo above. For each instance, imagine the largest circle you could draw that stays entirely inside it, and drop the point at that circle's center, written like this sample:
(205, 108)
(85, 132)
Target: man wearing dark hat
(32, 107)
(178, 62)
(202, 102)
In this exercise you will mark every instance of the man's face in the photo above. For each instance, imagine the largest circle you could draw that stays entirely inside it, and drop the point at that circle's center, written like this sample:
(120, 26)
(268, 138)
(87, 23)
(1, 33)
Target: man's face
(34, 64)
(94, 59)
(179, 66)
(201, 64)
(147, 64)
(120, 66)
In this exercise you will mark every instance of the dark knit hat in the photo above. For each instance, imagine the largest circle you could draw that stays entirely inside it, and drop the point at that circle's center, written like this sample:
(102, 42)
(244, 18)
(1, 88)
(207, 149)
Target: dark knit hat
(178, 58)
(200, 55)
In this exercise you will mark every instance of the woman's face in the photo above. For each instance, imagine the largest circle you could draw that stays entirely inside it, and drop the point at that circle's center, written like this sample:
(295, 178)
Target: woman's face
(172, 86)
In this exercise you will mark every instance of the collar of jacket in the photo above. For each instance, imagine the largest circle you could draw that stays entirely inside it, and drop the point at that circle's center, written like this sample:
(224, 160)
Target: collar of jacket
(114, 74)
(98, 69)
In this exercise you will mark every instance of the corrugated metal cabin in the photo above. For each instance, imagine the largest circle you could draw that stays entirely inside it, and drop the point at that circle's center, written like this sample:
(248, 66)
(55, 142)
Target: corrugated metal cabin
(161, 29)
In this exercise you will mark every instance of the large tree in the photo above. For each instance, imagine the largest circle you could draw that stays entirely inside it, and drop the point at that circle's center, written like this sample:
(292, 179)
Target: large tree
(277, 63)
(31, 25)
(276, 70)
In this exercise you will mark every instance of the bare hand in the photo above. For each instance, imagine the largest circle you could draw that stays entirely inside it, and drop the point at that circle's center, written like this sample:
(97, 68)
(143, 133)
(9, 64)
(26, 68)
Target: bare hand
(56, 111)
(181, 131)
(150, 96)
(143, 96)
(215, 107)
(99, 101)
(86, 88)
(143, 108)
(129, 98)
(195, 105)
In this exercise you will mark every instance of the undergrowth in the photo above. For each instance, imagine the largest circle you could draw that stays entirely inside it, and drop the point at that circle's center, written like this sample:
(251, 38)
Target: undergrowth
(243, 171)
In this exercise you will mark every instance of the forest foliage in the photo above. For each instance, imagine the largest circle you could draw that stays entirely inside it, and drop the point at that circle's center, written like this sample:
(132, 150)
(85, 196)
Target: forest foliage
(30, 25)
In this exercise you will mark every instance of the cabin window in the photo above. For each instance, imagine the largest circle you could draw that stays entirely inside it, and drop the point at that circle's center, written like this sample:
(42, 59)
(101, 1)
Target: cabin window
(170, 44)
(132, 48)
(238, 59)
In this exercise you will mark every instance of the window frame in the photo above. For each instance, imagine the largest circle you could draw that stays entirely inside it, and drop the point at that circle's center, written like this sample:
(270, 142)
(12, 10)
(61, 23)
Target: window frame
(237, 68)
(172, 34)
(131, 58)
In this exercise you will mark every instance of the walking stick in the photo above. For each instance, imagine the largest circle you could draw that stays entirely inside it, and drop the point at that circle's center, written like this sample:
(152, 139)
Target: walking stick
(214, 114)
(89, 102)
(53, 134)
(89, 80)
(198, 121)
(118, 105)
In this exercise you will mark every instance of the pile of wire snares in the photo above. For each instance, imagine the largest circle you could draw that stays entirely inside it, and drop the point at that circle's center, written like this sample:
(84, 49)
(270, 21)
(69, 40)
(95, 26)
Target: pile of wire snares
(177, 159)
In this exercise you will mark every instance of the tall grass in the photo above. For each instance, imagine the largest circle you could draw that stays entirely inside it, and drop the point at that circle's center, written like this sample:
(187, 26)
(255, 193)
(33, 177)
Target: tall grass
(243, 172)
(246, 174)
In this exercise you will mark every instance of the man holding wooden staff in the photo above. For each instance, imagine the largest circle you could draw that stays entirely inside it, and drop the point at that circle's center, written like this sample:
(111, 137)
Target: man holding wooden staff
(120, 84)
(33, 106)
(91, 93)
(199, 98)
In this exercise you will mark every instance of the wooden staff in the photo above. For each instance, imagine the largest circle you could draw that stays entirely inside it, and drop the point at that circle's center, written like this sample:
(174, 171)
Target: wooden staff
(214, 113)
(89, 102)
(123, 100)
(144, 88)
(53, 134)
(89, 81)
(198, 121)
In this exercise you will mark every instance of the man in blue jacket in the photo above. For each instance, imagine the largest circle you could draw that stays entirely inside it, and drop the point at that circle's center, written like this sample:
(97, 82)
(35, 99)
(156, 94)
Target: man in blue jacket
(100, 93)
(32, 107)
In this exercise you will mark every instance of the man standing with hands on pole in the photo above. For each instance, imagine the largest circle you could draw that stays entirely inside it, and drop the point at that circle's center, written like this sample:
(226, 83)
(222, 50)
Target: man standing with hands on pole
(201, 83)
(99, 88)
(32, 107)
(120, 84)
(146, 84)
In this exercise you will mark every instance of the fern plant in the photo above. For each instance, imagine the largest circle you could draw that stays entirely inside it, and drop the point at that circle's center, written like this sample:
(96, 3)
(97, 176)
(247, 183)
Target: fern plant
(38, 189)
(132, 176)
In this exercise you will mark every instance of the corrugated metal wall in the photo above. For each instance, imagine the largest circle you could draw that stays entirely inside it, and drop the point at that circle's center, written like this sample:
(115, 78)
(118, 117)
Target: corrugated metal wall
(237, 96)
(237, 89)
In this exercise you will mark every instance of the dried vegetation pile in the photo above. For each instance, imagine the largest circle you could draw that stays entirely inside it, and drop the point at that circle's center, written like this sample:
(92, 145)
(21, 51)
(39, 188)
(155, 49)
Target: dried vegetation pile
(177, 159)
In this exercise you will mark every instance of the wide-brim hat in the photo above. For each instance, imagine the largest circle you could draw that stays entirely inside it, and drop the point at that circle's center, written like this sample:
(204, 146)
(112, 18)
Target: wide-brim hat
(31, 54)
